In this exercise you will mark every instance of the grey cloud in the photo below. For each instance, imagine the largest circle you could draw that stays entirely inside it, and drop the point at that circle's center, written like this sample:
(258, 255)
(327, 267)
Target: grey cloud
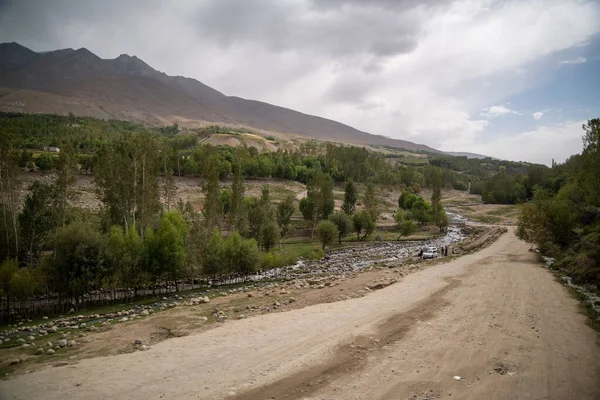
(42, 24)
(350, 89)
(391, 4)
(282, 26)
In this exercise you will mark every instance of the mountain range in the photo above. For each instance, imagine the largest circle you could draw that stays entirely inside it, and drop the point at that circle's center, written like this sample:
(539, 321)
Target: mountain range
(79, 82)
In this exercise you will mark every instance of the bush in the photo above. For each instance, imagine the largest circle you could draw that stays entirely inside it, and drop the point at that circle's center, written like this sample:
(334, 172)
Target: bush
(277, 260)
(44, 162)
(315, 255)
(327, 232)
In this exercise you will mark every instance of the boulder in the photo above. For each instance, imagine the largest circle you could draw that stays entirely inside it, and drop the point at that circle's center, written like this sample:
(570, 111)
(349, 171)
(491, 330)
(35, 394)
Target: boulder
(39, 351)
(144, 313)
(21, 340)
(50, 352)
(138, 342)
(53, 329)
(82, 325)
(124, 319)
(93, 328)
(31, 338)
(62, 342)
(71, 343)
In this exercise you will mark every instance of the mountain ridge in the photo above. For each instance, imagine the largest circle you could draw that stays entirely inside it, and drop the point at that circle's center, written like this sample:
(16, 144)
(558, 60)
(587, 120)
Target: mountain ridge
(126, 87)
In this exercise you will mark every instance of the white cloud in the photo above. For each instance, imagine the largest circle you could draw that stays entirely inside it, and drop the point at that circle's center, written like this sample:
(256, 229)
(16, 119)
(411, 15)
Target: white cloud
(577, 60)
(537, 115)
(540, 145)
(496, 111)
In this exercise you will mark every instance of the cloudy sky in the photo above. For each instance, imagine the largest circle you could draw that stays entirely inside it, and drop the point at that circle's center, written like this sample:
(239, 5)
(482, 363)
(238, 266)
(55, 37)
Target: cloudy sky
(510, 79)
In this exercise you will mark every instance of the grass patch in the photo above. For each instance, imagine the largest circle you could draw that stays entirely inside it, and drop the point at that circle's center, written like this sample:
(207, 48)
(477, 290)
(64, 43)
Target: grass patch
(584, 305)
(502, 211)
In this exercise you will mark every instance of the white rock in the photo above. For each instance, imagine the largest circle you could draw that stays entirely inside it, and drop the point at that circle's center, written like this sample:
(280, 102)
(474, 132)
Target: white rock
(53, 329)
(31, 338)
(44, 317)
(144, 347)
(82, 325)
(62, 342)
(144, 313)
(39, 351)
(93, 328)
(71, 343)
(24, 345)
(50, 352)
(21, 340)
(457, 378)
(124, 319)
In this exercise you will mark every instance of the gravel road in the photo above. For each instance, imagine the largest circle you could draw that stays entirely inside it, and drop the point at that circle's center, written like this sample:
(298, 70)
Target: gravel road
(495, 318)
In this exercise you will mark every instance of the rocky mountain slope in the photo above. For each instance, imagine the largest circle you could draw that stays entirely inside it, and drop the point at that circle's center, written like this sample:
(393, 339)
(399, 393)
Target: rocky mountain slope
(78, 81)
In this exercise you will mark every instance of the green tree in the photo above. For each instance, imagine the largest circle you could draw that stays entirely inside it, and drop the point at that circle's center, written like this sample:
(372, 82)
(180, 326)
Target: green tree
(226, 200)
(7, 269)
(248, 257)
(327, 232)
(213, 206)
(65, 181)
(421, 211)
(213, 255)
(78, 260)
(171, 241)
(363, 222)
(350, 198)
(125, 253)
(436, 196)
(343, 224)
(9, 195)
(25, 159)
(406, 228)
(36, 221)
(270, 235)
(320, 201)
(285, 210)
(236, 215)
(370, 201)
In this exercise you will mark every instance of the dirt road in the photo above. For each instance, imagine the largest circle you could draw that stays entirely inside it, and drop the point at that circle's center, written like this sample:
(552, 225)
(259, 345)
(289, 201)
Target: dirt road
(495, 318)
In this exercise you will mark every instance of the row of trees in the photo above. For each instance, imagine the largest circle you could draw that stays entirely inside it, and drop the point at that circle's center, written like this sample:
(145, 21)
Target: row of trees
(563, 218)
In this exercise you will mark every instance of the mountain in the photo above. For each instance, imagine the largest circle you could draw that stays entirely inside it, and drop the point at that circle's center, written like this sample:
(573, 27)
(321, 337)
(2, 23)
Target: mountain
(79, 82)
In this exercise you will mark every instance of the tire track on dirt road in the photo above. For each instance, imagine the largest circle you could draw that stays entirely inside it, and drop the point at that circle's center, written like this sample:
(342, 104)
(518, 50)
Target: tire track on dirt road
(352, 357)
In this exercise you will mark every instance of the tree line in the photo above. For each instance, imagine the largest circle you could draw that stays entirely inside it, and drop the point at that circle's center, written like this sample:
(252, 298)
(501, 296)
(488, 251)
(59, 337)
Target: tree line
(563, 217)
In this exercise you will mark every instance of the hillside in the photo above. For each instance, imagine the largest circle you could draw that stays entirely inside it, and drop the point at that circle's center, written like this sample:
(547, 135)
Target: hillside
(79, 82)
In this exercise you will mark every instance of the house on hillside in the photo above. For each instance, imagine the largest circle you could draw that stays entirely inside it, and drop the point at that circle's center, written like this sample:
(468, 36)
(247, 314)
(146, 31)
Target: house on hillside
(52, 149)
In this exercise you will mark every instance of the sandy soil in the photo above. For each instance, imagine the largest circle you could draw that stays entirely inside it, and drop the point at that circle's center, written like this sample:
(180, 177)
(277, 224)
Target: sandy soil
(495, 318)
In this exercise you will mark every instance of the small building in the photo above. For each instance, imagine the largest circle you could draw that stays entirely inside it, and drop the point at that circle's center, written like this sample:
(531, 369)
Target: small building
(52, 149)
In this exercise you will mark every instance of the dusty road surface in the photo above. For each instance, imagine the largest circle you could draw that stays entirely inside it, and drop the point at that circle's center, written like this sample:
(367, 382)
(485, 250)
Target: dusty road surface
(495, 318)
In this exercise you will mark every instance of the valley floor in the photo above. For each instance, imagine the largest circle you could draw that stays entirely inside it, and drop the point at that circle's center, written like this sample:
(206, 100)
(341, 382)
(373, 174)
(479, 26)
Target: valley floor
(494, 318)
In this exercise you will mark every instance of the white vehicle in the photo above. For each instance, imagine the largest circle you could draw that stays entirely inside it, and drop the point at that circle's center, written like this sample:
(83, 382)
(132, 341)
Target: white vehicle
(430, 252)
